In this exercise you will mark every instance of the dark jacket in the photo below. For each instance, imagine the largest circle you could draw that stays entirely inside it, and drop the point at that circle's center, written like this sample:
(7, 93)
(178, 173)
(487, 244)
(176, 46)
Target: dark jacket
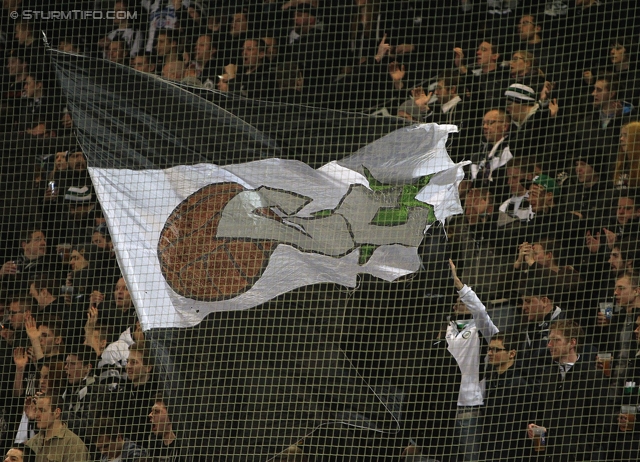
(569, 409)
(506, 416)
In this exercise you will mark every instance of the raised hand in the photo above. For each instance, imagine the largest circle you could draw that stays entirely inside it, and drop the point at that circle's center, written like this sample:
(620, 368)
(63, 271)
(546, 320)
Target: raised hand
(383, 49)
(20, 358)
(31, 328)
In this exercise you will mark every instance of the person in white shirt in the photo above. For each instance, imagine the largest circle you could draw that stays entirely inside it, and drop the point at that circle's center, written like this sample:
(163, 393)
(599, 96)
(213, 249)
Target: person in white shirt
(464, 342)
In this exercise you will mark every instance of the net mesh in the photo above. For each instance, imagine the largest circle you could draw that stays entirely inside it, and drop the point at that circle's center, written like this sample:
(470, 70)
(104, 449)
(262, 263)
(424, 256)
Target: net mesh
(319, 230)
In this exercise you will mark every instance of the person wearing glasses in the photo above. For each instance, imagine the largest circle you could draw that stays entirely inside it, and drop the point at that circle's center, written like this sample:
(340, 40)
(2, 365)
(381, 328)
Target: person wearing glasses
(506, 411)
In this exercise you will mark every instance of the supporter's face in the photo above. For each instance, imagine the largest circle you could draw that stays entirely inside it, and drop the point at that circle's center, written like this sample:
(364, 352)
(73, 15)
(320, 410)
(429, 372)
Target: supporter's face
(117, 52)
(460, 308)
(519, 65)
(559, 346)
(624, 293)
(533, 308)
(626, 210)
(517, 111)
(484, 56)
(194, 14)
(13, 455)
(32, 88)
(15, 66)
(476, 206)
(141, 63)
(109, 448)
(617, 54)
(43, 379)
(539, 198)
(615, 260)
(526, 28)
(637, 330)
(498, 355)
(173, 71)
(136, 370)
(122, 295)
(585, 172)
(36, 247)
(22, 34)
(159, 418)
(48, 341)
(601, 94)
(77, 161)
(100, 241)
(45, 416)
(251, 54)
(95, 341)
(75, 369)
(515, 176)
(303, 21)
(61, 161)
(494, 126)
(67, 120)
(443, 92)
(16, 316)
(203, 48)
(539, 255)
(77, 261)
(239, 24)
(163, 45)
(624, 137)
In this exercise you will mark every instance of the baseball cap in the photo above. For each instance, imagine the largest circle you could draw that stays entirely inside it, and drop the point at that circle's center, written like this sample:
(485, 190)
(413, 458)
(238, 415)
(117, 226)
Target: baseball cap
(548, 183)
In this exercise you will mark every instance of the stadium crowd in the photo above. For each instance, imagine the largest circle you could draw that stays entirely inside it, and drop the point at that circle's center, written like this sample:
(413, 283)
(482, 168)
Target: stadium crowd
(544, 94)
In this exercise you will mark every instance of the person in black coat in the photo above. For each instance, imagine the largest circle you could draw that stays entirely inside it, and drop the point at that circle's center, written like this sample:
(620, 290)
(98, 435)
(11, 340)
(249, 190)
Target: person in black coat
(570, 400)
(506, 402)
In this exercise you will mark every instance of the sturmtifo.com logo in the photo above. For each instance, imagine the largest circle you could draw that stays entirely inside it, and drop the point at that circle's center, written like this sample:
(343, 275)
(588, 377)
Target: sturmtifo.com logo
(74, 14)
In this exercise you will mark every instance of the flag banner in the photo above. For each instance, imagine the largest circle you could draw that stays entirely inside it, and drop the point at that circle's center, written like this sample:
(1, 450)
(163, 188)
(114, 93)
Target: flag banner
(194, 237)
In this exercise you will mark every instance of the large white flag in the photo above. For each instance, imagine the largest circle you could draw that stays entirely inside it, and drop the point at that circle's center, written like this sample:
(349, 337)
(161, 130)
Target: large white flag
(201, 238)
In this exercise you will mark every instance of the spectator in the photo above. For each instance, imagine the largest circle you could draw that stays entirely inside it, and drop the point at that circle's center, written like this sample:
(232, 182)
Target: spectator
(204, 60)
(598, 133)
(80, 396)
(130, 403)
(489, 161)
(464, 344)
(112, 445)
(623, 257)
(627, 168)
(119, 312)
(616, 332)
(167, 48)
(532, 132)
(55, 441)
(506, 409)
(163, 15)
(450, 109)
(123, 31)
(539, 310)
(524, 70)
(486, 81)
(540, 257)
(520, 172)
(143, 62)
(117, 52)
(567, 405)
(19, 453)
(476, 245)
(587, 196)
(163, 443)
